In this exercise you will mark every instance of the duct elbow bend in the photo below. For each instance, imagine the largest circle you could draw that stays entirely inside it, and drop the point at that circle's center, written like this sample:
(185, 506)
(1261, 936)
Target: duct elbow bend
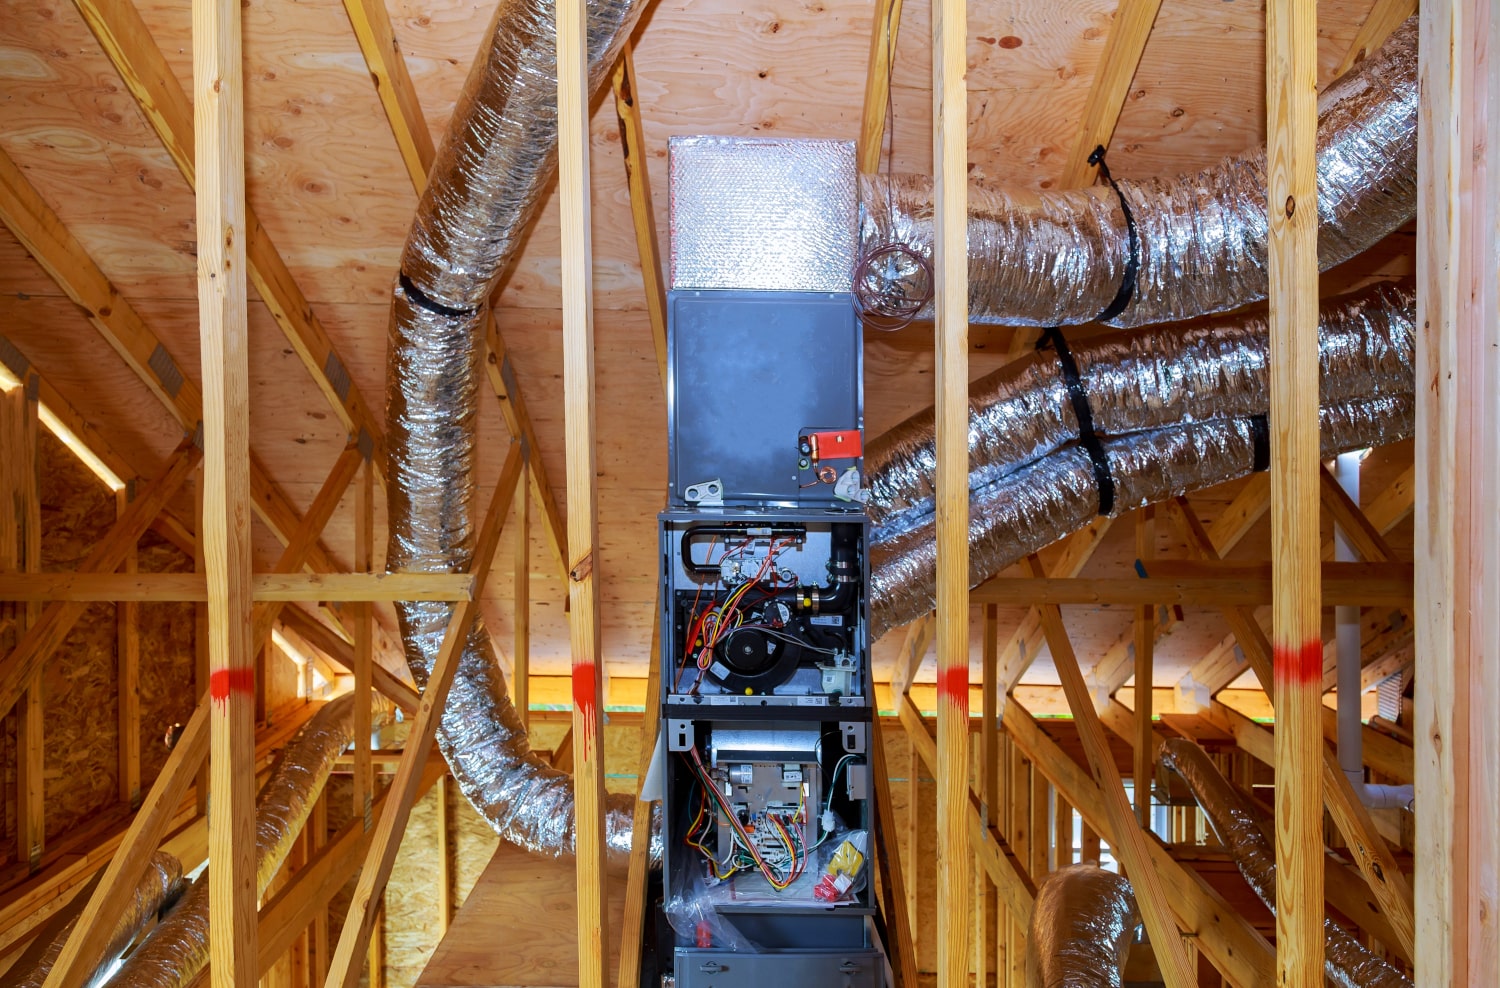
(1379, 797)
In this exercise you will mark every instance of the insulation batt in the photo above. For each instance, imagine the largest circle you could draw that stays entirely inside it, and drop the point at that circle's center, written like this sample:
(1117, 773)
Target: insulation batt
(177, 949)
(1082, 924)
(1238, 825)
(1060, 258)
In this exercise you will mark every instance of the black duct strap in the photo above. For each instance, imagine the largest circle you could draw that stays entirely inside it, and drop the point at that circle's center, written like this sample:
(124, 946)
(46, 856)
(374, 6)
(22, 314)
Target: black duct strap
(1133, 262)
(431, 305)
(1260, 434)
(1087, 437)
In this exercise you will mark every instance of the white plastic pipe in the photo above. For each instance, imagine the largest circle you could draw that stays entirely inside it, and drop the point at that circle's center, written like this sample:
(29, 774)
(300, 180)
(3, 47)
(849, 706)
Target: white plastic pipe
(1347, 648)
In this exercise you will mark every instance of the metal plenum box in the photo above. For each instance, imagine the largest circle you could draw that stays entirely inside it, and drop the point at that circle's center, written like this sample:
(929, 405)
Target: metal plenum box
(748, 373)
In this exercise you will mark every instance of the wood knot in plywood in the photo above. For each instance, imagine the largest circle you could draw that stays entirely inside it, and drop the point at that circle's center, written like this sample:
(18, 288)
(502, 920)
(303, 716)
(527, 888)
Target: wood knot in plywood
(582, 569)
(1291, 206)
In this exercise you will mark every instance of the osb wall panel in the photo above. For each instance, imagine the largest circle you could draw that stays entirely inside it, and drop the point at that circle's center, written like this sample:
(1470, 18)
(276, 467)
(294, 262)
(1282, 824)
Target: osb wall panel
(78, 683)
(168, 691)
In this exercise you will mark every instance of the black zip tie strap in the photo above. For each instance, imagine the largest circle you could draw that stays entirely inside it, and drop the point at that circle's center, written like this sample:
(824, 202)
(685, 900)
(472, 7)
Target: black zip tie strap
(1260, 435)
(1133, 262)
(420, 298)
(1087, 437)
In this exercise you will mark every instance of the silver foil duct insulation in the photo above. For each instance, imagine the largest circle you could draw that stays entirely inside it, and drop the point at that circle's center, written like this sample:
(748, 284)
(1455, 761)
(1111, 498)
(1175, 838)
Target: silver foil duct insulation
(1143, 379)
(500, 151)
(1059, 258)
(160, 885)
(486, 186)
(174, 952)
(1017, 506)
(1237, 823)
(1082, 924)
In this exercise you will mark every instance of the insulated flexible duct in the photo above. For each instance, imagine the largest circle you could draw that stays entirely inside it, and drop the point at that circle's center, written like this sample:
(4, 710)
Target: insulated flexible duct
(1060, 258)
(485, 188)
(173, 953)
(160, 885)
(1348, 963)
(1027, 490)
(1082, 924)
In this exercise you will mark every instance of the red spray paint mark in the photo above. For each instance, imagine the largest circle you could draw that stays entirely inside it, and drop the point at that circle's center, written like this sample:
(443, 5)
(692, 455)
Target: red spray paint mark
(1299, 666)
(953, 686)
(224, 682)
(585, 689)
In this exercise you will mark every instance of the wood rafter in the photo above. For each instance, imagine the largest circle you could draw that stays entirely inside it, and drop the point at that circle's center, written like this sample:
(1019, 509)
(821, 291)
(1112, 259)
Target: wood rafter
(162, 101)
(884, 30)
(1383, 18)
(1122, 54)
(42, 233)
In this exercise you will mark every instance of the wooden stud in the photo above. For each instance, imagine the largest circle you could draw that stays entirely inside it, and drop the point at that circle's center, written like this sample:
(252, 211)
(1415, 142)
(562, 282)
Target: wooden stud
(385, 840)
(951, 414)
(81, 954)
(445, 863)
(1122, 54)
(988, 912)
(21, 537)
(1062, 830)
(128, 667)
(521, 654)
(318, 825)
(224, 341)
(583, 575)
(364, 639)
(1145, 641)
(1291, 155)
(1457, 545)
(883, 32)
(200, 629)
(893, 902)
(633, 921)
(44, 637)
(913, 838)
(1130, 845)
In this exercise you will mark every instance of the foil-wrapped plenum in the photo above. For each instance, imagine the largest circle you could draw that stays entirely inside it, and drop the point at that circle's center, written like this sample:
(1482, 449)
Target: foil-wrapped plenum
(762, 214)
(500, 150)
(1082, 923)
(177, 949)
(159, 886)
(1138, 380)
(1059, 258)
(1348, 963)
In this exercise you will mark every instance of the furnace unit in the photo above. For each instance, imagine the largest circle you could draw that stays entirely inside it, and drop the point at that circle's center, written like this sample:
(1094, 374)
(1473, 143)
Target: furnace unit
(767, 698)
